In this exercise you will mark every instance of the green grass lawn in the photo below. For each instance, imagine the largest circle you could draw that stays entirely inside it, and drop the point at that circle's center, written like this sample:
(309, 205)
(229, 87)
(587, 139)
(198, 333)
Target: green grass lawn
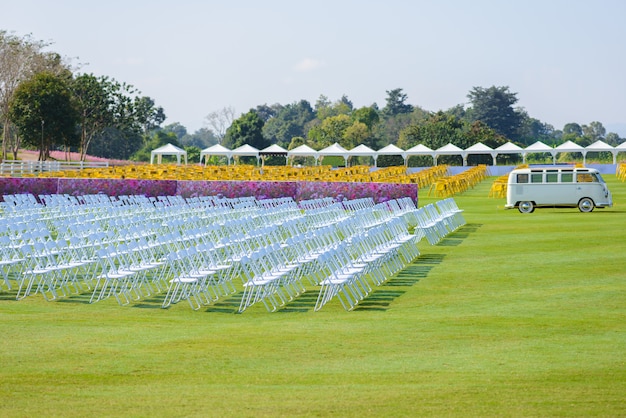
(512, 315)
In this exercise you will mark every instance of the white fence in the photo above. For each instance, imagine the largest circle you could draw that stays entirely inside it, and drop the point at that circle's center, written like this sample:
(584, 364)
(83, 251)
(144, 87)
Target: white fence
(17, 168)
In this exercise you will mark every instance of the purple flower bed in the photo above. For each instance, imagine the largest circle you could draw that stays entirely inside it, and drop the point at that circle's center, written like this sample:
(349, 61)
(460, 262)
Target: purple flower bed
(380, 192)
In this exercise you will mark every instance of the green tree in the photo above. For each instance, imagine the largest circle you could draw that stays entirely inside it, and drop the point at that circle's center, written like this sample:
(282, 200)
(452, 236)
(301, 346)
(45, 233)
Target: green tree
(43, 111)
(158, 139)
(20, 59)
(436, 131)
(331, 130)
(355, 134)
(573, 128)
(367, 115)
(177, 129)
(289, 121)
(129, 117)
(396, 103)
(202, 138)
(594, 131)
(532, 130)
(93, 99)
(494, 107)
(612, 139)
(248, 129)
(147, 114)
(193, 154)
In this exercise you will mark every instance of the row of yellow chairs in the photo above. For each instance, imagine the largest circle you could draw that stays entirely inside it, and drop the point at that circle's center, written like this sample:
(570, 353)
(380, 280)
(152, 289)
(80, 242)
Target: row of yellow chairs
(451, 185)
(359, 173)
(621, 171)
(499, 185)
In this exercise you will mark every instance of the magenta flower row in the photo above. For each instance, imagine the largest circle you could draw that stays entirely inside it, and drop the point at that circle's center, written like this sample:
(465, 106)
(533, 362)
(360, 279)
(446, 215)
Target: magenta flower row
(299, 190)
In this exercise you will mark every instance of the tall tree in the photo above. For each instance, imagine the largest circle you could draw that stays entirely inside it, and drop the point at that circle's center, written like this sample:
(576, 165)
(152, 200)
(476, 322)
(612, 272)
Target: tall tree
(594, 131)
(44, 113)
(367, 115)
(396, 103)
(572, 128)
(202, 138)
(331, 130)
(94, 104)
(147, 114)
(20, 59)
(290, 121)
(220, 120)
(494, 107)
(438, 130)
(248, 129)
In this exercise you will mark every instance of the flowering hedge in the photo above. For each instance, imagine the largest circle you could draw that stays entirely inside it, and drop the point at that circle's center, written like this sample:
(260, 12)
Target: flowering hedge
(299, 190)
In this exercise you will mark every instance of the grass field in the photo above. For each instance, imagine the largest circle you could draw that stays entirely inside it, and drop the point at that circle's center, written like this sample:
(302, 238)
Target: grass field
(512, 315)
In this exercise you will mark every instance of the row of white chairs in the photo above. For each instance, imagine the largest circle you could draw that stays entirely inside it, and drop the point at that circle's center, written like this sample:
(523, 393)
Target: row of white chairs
(437, 220)
(193, 249)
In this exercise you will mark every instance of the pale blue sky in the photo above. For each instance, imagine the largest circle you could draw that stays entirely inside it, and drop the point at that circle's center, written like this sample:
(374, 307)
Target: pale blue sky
(565, 59)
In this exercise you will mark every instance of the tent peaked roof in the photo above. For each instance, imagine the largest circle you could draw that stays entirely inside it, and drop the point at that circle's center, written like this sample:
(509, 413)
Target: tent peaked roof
(509, 147)
(539, 147)
(450, 148)
(479, 147)
(216, 149)
(169, 149)
(334, 149)
(391, 149)
(362, 150)
(600, 146)
(274, 149)
(569, 146)
(246, 150)
(419, 149)
(302, 151)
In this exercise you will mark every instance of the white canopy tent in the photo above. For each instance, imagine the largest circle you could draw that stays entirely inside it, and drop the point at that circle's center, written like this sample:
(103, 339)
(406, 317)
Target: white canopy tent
(246, 151)
(302, 151)
(601, 146)
(419, 149)
(449, 149)
(274, 149)
(168, 149)
(363, 151)
(391, 149)
(509, 148)
(480, 148)
(216, 149)
(334, 150)
(570, 146)
(538, 148)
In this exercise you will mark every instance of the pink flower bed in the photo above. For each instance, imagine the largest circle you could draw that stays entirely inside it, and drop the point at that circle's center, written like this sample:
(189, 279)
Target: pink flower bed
(380, 192)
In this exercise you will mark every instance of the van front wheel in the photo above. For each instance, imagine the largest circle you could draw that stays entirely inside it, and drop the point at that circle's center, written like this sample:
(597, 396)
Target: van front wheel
(526, 207)
(586, 205)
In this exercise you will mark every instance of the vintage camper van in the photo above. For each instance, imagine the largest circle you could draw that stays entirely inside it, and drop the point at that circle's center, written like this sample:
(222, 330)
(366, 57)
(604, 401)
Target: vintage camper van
(530, 188)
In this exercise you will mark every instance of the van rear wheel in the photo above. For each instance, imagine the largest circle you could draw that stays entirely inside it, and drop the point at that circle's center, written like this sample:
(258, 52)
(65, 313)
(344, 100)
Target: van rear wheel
(526, 207)
(586, 205)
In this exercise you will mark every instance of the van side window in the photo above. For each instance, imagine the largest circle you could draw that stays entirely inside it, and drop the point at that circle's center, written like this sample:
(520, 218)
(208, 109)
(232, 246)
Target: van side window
(567, 177)
(552, 177)
(522, 178)
(536, 178)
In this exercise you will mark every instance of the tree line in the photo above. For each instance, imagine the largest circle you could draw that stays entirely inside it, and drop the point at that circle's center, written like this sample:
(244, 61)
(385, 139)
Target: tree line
(45, 104)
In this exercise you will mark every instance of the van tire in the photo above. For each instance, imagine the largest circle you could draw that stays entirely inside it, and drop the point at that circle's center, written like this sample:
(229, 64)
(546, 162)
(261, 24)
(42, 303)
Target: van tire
(586, 205)
(526, 207)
